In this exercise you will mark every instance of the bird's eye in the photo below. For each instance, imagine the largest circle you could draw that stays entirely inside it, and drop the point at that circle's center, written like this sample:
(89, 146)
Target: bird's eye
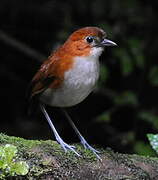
(89, 39)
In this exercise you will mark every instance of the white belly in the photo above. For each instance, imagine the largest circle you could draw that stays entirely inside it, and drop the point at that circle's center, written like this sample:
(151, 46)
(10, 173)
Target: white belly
(77, 85)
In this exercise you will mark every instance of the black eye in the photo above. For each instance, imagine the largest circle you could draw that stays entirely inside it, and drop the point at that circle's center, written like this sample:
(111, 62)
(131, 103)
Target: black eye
(89, 39)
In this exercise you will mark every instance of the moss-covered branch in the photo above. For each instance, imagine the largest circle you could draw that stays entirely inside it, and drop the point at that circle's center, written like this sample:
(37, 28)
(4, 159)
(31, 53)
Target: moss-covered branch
(46, 160)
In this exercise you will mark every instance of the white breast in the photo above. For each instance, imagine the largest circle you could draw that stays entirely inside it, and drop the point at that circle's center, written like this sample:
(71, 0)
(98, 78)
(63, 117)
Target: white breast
(77, 85)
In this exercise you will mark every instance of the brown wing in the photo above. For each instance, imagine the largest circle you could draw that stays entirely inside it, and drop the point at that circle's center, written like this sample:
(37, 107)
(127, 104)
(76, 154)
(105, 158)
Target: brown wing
(51, 73)
(46, 77)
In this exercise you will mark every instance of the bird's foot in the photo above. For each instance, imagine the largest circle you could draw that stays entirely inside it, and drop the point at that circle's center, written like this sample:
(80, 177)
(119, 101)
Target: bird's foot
(67, 147)
(87, 146)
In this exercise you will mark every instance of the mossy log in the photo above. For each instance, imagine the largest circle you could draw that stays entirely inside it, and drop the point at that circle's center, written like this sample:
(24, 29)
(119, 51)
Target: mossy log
(46, 160)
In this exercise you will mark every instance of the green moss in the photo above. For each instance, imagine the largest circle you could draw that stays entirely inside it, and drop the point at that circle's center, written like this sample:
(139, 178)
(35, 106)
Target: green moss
(32, 159)
(28, 150)
(44, 157)
(23, 143)
(18, 141)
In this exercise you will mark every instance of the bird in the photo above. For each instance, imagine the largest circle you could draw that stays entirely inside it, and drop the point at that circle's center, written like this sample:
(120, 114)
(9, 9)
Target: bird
(68, 76)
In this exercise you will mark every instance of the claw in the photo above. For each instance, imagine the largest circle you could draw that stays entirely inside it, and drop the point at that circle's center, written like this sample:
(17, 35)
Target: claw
(87, 146)
(67, 147)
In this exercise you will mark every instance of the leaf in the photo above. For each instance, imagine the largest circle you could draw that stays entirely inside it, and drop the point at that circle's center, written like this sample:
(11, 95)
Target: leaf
(150, 117)
(142, 148)
(153, 76)
(137, 51)
(103, 74)
(1, 151)
(125, 61)
(7, 153)
(10, 152)
(104, 117)
(153, 139)
(8, 164)
(20, 168)
(127, 97)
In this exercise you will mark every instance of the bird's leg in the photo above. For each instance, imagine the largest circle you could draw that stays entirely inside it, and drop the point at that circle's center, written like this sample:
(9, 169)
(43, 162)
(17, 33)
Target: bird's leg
(64, 145)
(82, 139)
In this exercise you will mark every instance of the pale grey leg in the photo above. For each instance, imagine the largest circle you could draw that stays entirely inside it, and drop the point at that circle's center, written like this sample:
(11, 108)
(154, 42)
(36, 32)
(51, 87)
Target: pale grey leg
(82, 139)
(64, 145)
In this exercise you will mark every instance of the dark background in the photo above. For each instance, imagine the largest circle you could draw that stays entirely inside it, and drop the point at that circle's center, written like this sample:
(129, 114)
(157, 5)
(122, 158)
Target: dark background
(123, 108)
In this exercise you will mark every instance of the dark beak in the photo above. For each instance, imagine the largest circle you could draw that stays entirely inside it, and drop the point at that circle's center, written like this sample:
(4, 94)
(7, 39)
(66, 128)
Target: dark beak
(106, 42)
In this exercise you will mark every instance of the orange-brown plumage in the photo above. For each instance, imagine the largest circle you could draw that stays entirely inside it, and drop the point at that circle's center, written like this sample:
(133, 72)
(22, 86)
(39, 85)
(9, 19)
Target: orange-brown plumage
(51, 72)
(87, 31)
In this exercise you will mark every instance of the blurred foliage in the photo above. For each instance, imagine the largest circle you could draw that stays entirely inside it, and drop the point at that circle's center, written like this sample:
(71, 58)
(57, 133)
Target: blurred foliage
(153, 76)
(124, 107)
(143, 148)
(150, 117)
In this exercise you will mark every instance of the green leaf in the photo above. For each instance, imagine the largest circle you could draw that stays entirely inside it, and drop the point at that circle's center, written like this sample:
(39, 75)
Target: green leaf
(7, 153)
(153, 139)
(103, 74)
(126, 63)
(104, 117)
(8, 164)
(20, 168)
(137, 51)
(127, 97)
(153, 76)
(150, 117)
(143, 149)
(10, 152)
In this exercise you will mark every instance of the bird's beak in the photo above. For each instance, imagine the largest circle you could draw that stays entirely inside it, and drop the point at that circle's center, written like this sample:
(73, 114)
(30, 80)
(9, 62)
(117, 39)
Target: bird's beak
(107, 42)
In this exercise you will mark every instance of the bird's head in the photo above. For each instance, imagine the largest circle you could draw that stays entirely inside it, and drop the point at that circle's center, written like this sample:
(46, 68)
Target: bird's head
(88, 41)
